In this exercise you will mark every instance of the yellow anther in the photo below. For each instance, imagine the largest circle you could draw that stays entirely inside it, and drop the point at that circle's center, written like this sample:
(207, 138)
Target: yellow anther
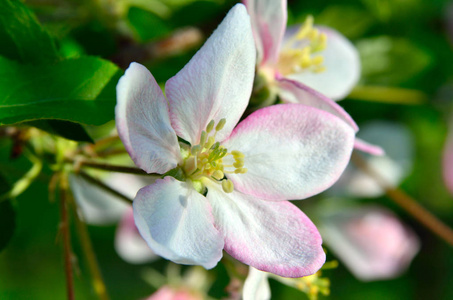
(313, 35)
(239, 159)
(204, 161)
(306, 28)
(240, 171)
(210, 126)
(203, 137)
(218, 175)
(195, 149)
(317, 60)
(207, 166)
(237, 154)
(227, 186)
(220, 125)
(238, 164)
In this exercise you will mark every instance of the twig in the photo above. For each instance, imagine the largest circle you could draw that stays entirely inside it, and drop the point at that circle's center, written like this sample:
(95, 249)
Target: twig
(64, 227)
(105, 187)
(107, 167)
(388, 95)
(90, 256)
(407, 202)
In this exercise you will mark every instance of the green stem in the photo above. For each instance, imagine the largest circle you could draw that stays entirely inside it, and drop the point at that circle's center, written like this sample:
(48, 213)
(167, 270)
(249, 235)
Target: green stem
(388, 95)
(406, 202)
(104, 187)
(90, 256)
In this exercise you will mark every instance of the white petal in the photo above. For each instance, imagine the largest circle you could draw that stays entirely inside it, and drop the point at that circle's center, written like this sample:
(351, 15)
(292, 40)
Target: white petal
(143, 122)
(97, 206)
(256, 286)
(268, 18)
(129, 245)
(217, 81)
(342, 63)
(271, 236)
(177, 223)
(292, 151)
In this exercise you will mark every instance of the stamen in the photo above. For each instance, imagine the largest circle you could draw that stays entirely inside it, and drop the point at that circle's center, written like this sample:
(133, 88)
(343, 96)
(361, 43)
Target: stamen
(203, 137)
(218, 175)
(220, 125)
(227, 186)
(210, 126)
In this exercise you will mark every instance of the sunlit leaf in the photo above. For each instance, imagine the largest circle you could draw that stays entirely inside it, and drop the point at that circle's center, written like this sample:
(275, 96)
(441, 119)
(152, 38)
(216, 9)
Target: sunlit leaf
(72, 90)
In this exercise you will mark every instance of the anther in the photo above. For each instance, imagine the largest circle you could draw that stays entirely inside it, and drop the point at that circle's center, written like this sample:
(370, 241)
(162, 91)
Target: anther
(240, 171)
(220, 125)
(237, 153)
(218, 175)
(227, 186)
(210, 126)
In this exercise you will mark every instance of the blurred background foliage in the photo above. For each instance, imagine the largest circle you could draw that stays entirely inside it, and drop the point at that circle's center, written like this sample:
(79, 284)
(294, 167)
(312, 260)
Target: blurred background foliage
(402, 44)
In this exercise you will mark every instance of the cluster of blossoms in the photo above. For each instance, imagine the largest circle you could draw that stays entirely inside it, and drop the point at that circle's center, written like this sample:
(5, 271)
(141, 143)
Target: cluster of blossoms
(229, 183)
(225, 185)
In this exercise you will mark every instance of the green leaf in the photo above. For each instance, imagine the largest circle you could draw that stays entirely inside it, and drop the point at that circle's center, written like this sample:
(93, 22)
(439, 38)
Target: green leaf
(80, 90)
(68, 130)
(23, 38)
(7, 216)
(391, 61)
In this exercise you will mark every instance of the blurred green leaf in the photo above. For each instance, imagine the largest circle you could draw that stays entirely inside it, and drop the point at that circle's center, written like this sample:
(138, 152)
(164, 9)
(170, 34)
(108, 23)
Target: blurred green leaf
(142, 21)
(23, 38)
(350, 21)
(71, 90)
(68, 130)
(7, 216)
(390, 61)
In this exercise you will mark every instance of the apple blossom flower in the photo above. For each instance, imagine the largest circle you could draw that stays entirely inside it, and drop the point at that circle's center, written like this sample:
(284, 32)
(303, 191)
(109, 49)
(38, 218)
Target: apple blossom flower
(228, 186)
(370, 241)
(304, 64)
(318, 57)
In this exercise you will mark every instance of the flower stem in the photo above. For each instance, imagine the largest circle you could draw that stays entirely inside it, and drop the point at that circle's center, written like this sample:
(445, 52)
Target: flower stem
(107, 167)
(407, 202)
(104, 187)
(388, 95)
(64, 227)
(90, 256)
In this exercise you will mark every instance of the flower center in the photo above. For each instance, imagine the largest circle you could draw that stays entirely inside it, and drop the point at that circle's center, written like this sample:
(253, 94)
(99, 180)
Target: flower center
(299, 53)
(205, 161)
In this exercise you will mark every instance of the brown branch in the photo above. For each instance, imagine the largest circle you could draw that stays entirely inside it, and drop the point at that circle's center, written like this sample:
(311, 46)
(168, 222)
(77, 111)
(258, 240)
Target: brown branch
(64, 227)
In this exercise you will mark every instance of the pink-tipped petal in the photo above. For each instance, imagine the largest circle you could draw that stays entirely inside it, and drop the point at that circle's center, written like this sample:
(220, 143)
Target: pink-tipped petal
(366, 147)
(143, 121)
(129, 244)
(217, 81)
(448, 160)
(292, 91)
(268, 18)
(271, 236)
(292, 151)
(256, 286)
(342, 63)
(176, 222)
(175, 293)
(371, 242)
